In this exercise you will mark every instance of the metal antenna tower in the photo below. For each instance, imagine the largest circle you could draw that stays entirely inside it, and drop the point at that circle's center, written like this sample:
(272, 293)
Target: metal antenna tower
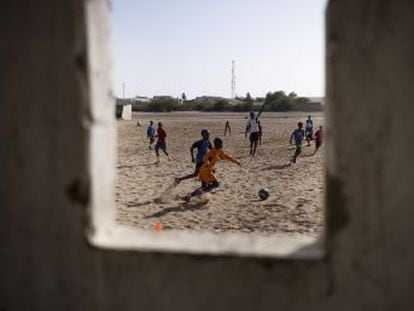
(233, 79)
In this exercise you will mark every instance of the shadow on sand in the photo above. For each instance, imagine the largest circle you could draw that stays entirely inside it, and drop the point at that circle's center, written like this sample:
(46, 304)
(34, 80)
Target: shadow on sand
(183, 207)
(277, 167)
(147, 164)
(134, 204)
(307, 155)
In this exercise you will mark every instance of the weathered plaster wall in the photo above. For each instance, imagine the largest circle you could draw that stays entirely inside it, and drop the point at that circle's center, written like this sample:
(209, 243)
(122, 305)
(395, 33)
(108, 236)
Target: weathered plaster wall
(44, 261)
(47, 128)
(370, 89)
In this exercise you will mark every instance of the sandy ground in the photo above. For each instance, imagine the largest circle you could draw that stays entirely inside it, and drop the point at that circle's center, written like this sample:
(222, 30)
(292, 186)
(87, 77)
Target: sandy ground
(295, 204)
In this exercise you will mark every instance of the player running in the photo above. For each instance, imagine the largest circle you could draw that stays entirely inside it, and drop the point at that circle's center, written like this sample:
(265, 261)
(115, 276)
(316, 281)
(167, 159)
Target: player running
(161, 143)
(202, 146)
(298, 136)
(309, 130)
(252, 127)
(150, 134)
(318, 138)
(206, 173)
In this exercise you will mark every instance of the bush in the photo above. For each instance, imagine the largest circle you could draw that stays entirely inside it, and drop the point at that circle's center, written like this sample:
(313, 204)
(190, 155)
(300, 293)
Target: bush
(221, 105)
(276, 101)
(162, 105)
(246, 106)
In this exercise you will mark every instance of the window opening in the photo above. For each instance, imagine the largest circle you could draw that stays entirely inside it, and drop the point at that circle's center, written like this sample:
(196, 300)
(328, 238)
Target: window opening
(164, 73)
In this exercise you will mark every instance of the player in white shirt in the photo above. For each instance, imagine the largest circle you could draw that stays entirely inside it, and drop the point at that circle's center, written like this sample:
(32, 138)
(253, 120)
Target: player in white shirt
(252, 127)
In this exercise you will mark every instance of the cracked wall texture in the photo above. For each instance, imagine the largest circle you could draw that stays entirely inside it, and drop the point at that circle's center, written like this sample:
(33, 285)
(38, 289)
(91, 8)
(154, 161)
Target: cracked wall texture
(46, 123)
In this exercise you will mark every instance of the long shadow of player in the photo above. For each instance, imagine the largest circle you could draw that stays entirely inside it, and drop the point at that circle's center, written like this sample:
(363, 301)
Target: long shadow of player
(183, 207)
(147, 164)
(138, 204)
(277, 167)
(124, 166)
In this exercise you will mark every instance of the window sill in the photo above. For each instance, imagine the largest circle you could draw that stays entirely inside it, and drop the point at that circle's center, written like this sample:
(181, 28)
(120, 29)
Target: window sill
(227, 244)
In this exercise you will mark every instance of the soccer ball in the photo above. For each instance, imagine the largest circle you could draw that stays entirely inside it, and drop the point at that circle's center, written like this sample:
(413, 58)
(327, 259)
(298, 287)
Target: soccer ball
(263, 194)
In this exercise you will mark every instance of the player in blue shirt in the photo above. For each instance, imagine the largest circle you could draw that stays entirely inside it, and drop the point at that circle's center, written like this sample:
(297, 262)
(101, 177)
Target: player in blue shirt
(151, 133)
(297, 135)
(202, 146)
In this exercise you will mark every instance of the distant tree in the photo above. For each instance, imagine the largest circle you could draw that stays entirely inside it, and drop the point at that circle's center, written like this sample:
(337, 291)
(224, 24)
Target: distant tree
(188, 105)
(248, 98)
(304, 104)
(275, 101)
(284, 104)
(248, 106)
(162, 105)
(301, 103)
(272, 99)
(221, 105)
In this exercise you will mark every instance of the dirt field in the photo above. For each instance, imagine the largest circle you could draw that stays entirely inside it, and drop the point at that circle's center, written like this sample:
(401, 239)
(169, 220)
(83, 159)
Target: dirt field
(295, 204)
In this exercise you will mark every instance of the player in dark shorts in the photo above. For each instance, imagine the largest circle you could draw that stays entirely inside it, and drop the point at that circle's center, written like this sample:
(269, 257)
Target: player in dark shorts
(202, 146)
(206, 173)
(309, 130)
(298, 135)
(161, 143)
(252, 126)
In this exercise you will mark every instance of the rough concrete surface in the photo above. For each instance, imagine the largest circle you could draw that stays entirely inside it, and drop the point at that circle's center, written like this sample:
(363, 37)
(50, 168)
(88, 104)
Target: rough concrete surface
(51, 107)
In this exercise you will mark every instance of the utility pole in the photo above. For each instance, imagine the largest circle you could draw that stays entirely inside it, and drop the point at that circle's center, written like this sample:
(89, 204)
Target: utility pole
(123, 90)
(233, 79)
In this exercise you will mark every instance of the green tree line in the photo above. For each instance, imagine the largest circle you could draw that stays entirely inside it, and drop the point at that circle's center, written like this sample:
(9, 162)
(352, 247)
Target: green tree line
(274, 101)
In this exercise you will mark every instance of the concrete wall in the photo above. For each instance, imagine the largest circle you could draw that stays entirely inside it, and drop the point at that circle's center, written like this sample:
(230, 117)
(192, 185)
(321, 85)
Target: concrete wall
(54, 167)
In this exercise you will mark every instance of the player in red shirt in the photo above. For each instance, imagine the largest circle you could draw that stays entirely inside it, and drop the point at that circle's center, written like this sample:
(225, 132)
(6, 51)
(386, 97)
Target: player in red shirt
(161, 143)
(318, 136)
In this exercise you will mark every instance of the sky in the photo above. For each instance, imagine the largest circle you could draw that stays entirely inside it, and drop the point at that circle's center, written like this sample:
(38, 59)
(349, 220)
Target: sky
(167, 47)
